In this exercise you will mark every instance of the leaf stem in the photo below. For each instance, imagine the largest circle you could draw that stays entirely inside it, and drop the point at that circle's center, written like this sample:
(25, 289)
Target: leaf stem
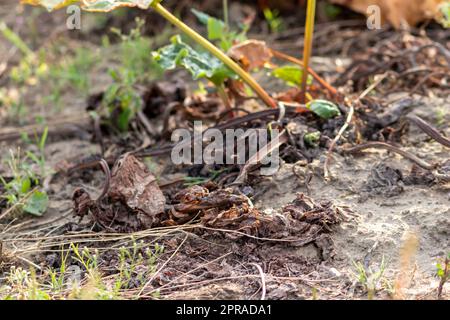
(326, 85)
(225, 14)
(248, 79)
(307, 48)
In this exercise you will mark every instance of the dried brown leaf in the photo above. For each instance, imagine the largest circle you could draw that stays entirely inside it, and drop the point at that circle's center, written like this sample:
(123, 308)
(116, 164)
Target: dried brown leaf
(251, 54)
(398, 11)
(133, 184)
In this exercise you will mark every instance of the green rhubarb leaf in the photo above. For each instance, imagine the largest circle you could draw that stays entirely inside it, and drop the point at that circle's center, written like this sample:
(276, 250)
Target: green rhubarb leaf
(92, 5)
(290, 74)
(50, 4)
(199, 64)
(323, 108)
(37, 203)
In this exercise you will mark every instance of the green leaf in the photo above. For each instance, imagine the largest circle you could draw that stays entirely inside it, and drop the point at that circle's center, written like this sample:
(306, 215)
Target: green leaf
(43, 139)
(323, 108)
(216, 27)
(124, 119)
(199, 64)
(50, 4)
(25, 186)
(37, 203)
(444, 19)
(311, 138)
(32, 156)
(332, 11)
(290, 74)
(201, 16)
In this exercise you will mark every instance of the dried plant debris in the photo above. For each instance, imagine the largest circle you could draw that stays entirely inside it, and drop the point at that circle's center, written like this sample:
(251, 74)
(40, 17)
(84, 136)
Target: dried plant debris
(300, 223)
(383, 118)
(305, 221)
(384, 180)
(220, 209)
(413, 64)
(132, 202)
(420, 176)
(160, 94)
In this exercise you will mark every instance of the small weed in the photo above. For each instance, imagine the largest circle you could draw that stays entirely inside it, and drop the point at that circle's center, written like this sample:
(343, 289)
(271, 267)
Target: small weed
(22, 192)
(134, 53)
(273, 19)
(440, 116)
(31, 66)
(80, 275)
(58, 277)
(443, 272)
(121, 100)
(368, 278)
(136, 264)
(220, 32)
(71, 72)
(23, 285)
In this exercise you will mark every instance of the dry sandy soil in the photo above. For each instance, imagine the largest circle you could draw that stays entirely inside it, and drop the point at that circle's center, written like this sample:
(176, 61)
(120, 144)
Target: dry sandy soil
(389, 217)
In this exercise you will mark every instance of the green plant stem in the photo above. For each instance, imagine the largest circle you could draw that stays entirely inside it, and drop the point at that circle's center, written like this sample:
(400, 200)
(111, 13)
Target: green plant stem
(15, 40)
(248, 79)
(224, 96)
(225, 14)
(307, 48)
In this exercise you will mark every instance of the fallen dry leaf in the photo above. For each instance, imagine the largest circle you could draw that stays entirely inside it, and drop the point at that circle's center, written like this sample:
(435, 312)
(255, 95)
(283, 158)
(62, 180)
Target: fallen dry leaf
(133, 184)
(251, 54)
(397, 11)
(133, 200)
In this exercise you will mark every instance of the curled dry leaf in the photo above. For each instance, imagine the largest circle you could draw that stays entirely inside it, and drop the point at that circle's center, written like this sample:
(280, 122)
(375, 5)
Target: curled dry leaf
(305, 221)
(398, 11)
(240, 218)
(198, 198)
(217, 209)
(133, 201)
(133, 184)
(251, 54)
